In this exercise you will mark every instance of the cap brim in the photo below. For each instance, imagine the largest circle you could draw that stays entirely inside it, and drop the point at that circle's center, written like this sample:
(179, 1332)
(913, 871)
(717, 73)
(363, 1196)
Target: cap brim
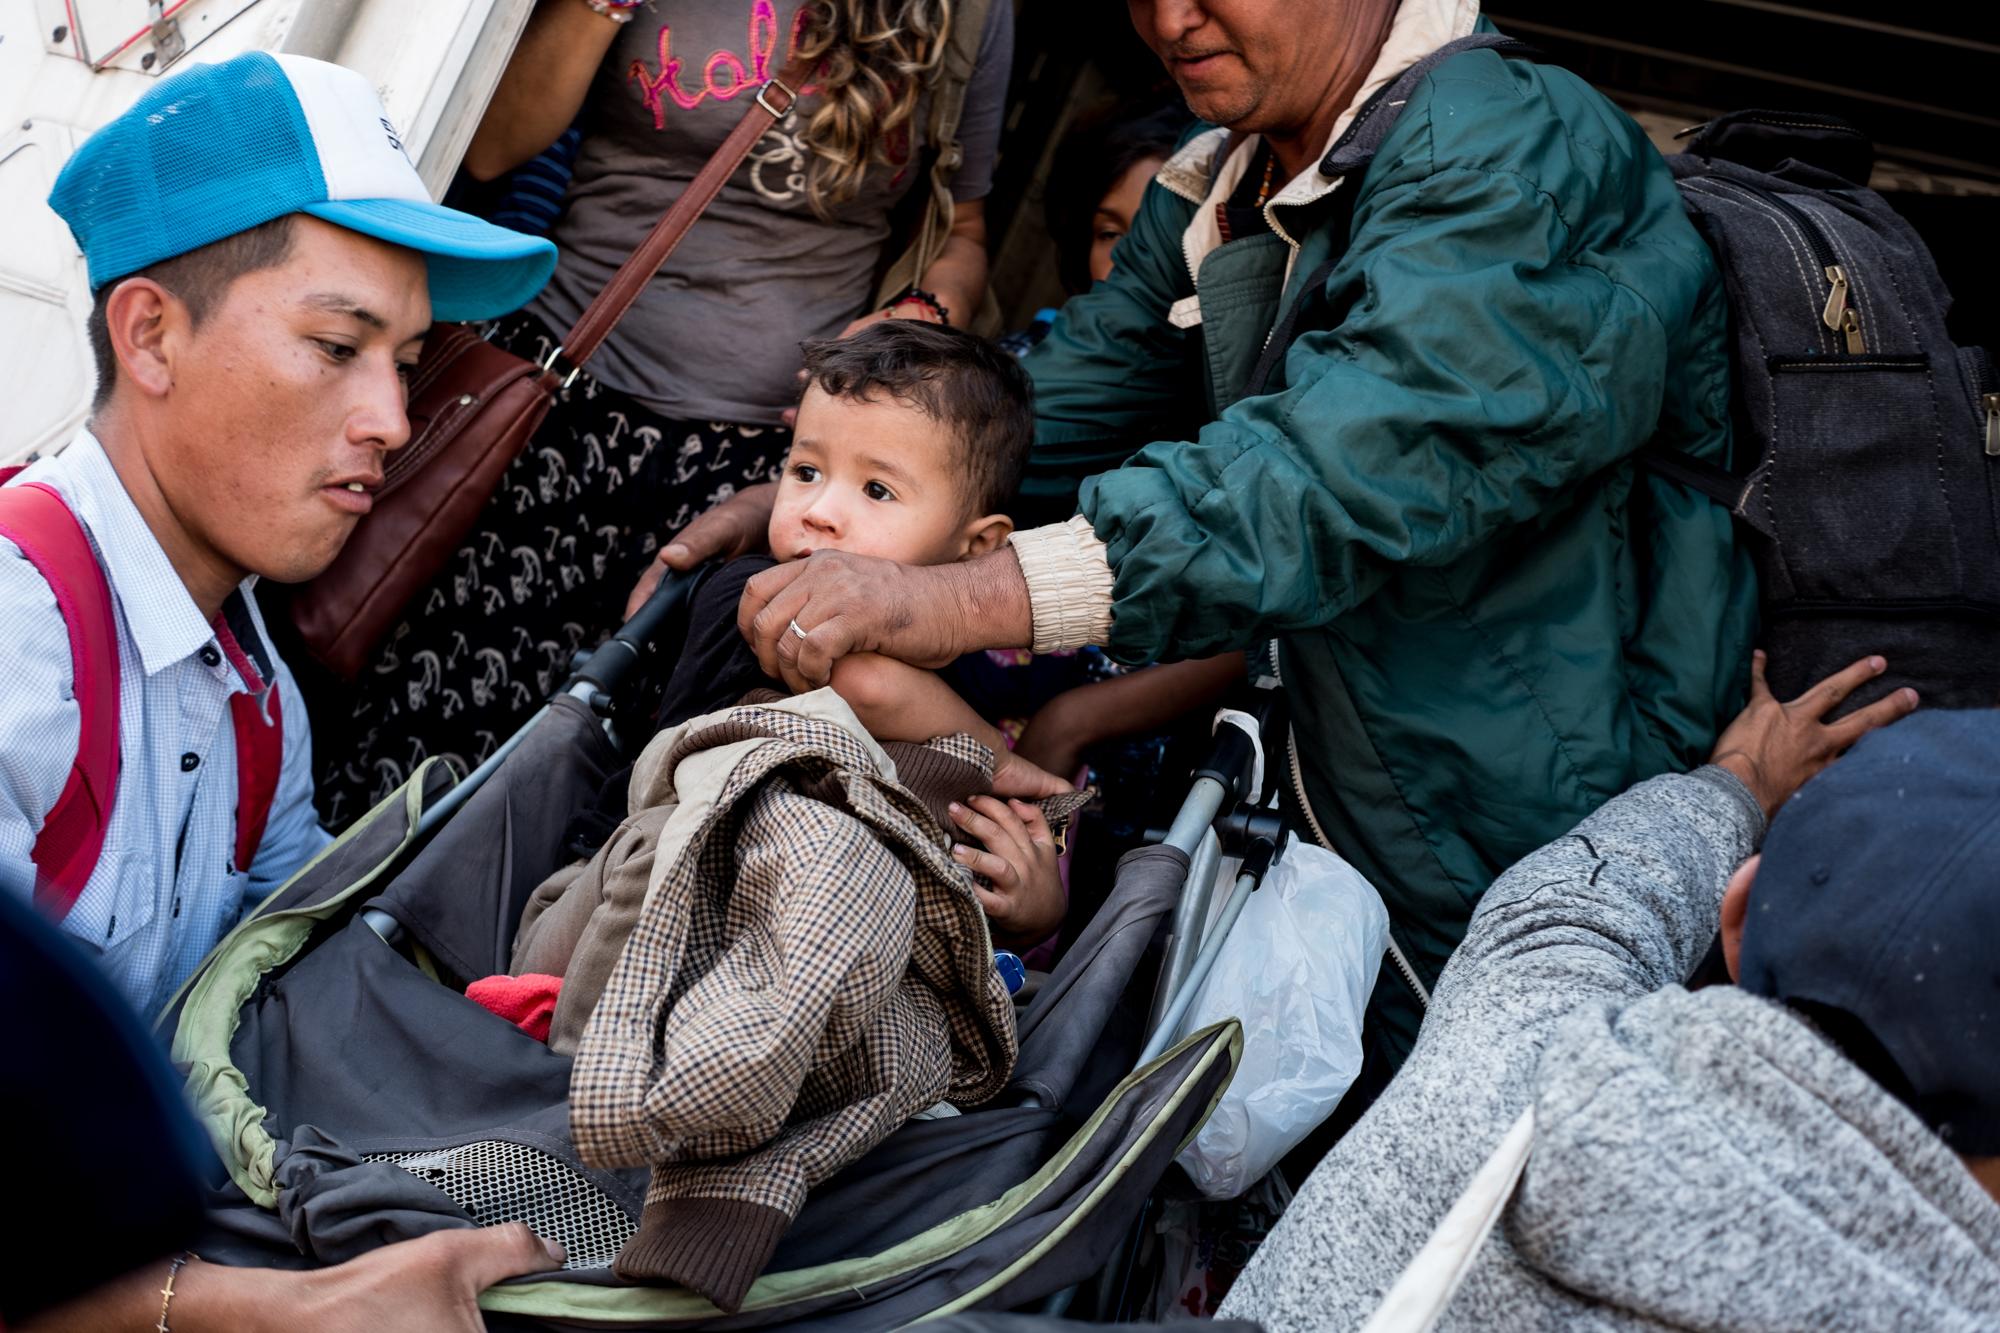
(477, 270)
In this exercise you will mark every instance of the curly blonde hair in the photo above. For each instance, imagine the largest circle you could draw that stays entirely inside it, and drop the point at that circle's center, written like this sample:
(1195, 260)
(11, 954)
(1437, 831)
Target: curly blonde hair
(874, 59)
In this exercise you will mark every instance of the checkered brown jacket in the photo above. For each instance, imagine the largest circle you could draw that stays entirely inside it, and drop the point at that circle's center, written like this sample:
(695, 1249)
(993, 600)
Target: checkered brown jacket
(810, 969)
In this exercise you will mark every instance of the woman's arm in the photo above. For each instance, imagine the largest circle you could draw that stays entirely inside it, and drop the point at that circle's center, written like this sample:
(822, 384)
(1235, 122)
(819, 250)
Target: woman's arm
(957, 276)
(1132, 705)
(543, 87)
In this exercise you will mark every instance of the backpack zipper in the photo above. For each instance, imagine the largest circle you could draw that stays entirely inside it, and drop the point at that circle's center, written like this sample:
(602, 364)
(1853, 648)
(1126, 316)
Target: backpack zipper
(1836, 313)
(1396, 954)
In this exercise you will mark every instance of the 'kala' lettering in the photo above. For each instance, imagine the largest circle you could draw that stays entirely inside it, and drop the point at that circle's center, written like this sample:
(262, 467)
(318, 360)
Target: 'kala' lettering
(723, 75)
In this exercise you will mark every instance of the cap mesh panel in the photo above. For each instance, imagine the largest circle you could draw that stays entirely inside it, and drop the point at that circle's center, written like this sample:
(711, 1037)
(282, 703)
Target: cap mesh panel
(500, 1182)
(203, 155)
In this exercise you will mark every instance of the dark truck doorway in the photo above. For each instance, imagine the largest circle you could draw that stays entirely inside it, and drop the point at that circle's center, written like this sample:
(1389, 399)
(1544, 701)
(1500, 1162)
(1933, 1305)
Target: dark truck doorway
(1917, 78)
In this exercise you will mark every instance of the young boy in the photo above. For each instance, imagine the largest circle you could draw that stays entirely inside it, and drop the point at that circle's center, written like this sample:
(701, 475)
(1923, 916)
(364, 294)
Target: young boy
(866, 475)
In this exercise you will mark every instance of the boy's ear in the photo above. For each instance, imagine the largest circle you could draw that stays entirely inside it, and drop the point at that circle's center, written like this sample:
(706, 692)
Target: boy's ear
(143, 318)
(986, 534)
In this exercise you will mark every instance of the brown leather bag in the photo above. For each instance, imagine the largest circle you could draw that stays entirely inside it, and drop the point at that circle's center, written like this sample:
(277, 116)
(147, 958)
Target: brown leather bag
(473, 407)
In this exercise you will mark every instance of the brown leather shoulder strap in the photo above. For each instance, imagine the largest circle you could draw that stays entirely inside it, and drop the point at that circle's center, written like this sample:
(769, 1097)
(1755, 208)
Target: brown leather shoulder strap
(603, 314)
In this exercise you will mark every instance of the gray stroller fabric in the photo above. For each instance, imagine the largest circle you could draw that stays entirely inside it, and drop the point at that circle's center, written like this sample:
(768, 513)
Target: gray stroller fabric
(1094, 976)
(462, 896)
(398, 1106)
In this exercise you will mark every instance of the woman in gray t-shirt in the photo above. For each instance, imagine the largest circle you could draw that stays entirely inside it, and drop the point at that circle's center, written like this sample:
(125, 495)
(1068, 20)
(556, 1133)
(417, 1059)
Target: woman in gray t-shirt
(683, 404)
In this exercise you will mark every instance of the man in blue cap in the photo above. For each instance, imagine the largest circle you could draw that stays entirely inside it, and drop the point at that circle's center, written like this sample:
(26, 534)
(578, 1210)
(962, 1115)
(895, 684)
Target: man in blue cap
(265, 262)
(1814, 1147)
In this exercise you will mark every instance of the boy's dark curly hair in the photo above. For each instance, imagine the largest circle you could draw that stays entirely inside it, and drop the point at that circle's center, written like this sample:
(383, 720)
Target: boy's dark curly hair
(960, 381)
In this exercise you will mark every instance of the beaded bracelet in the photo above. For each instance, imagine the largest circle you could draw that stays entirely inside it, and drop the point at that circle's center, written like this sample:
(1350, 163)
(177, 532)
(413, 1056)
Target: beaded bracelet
(918, 296)
(618, 11)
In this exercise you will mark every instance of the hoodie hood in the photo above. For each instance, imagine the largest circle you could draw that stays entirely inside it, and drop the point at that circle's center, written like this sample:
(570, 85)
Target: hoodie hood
(1684, 1140)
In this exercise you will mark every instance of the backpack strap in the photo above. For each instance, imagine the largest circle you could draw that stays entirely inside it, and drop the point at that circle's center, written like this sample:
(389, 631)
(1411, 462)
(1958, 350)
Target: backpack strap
(1350, 157)
(1365, 134)
(37, 520)
(259, 725)
(1705, 478)
(932, 226)
(1425, 1290)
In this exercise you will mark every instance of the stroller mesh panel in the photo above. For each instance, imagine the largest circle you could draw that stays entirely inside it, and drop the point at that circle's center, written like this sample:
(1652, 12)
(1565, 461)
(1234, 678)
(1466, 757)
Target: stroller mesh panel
(509, 1182)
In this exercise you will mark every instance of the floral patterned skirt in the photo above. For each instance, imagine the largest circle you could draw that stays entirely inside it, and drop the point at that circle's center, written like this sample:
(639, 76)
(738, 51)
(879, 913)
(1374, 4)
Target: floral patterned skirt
(546, 572)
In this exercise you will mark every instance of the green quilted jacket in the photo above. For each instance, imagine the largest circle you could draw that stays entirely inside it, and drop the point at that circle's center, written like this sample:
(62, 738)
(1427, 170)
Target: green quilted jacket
(1489, 619)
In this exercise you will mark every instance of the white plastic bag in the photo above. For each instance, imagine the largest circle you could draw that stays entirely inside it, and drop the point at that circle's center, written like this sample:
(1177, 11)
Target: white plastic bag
(1296, 971)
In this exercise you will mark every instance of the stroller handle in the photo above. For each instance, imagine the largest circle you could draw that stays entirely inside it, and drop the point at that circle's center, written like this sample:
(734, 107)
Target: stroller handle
(619, 657)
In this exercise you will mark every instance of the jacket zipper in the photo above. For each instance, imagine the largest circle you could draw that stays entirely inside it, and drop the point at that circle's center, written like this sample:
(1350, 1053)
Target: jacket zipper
(1396, 954)
(1837, 313)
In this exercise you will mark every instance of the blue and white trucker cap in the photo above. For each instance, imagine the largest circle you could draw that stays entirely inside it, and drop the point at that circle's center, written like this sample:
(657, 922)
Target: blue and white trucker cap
(223, 148)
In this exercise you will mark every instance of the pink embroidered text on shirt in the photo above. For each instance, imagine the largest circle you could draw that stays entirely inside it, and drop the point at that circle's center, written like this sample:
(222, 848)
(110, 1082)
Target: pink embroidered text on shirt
(655, 86)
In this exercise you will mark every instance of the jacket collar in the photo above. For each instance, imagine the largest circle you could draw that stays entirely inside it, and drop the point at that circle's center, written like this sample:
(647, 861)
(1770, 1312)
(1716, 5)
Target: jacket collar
(165, 624)
(1419, 28)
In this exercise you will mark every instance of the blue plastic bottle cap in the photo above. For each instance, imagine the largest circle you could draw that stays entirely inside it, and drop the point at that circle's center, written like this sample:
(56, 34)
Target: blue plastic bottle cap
(1011, 969)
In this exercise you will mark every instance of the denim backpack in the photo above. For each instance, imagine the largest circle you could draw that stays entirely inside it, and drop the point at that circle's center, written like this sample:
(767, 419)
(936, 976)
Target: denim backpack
(1871, 441)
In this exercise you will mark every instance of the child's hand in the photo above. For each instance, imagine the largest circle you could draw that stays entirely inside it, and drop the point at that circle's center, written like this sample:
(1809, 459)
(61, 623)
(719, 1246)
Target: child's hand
(1015, 775)
(1019, 886)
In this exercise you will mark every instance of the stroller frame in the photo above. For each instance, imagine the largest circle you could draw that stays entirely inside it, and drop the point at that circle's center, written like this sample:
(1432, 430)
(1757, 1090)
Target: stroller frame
(1041, 1236)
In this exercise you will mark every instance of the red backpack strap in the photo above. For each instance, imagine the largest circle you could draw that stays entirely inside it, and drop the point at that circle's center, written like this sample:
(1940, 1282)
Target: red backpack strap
(259, 724)
(36, 519)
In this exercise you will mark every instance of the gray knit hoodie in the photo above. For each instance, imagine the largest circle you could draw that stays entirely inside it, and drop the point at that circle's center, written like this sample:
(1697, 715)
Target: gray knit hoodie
(1701, 1161)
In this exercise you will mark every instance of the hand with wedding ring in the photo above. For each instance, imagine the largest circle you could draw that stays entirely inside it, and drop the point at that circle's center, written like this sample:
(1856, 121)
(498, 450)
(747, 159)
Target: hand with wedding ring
(804, 616)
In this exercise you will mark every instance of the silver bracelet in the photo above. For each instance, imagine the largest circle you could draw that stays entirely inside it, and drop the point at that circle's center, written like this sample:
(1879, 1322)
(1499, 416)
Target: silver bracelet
(618, 11)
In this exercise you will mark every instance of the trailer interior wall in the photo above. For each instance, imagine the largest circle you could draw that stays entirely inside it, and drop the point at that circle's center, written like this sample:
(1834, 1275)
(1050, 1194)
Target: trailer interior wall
(435, 63)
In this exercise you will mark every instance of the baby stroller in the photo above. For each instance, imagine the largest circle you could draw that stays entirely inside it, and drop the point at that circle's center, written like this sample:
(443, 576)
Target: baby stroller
(357, 1097)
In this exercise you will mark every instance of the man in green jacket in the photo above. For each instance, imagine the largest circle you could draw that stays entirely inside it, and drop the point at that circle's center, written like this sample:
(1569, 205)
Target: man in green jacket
(1489, 619)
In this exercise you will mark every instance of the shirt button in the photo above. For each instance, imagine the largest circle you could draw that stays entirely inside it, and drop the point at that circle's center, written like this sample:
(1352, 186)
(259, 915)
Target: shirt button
(210, 657)
(190, 762)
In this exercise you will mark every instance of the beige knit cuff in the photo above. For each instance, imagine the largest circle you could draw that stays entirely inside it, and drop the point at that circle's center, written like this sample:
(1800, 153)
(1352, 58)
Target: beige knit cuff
(1069, 584)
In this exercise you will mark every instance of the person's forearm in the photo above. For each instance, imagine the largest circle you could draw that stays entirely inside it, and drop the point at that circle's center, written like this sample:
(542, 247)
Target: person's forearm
(1143, 701)
(543, 87)
(899, 702)
(957, 276)
(958, 279)
(1622, 905)
(991, 594)
(206, 1297)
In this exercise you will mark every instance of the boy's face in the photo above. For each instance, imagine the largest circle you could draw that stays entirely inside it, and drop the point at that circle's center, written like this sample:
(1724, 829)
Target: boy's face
(874, 478)
(290, 390)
